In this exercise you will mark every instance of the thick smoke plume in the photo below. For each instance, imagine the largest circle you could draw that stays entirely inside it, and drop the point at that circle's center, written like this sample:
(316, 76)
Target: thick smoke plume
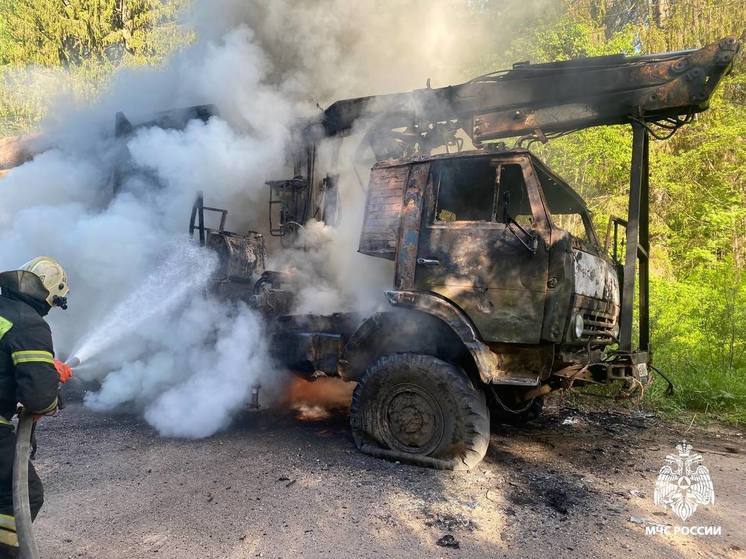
(138, 314)
(185, 359)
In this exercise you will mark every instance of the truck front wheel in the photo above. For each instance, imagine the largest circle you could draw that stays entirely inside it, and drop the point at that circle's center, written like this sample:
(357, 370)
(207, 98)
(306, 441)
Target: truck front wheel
(421, 410)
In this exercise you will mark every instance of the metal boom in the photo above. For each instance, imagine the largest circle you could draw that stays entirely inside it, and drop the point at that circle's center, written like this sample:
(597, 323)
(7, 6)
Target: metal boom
(555, 97)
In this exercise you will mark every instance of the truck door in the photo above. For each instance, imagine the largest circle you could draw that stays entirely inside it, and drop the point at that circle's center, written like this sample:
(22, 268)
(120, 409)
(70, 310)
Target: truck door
(483, 244)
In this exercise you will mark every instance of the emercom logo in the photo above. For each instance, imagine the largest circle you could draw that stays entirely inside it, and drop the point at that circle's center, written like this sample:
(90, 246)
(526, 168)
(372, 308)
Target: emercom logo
(683, 484)
(684, 530)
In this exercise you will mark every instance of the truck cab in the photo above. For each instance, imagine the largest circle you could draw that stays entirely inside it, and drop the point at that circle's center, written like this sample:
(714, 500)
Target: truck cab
(505, 241)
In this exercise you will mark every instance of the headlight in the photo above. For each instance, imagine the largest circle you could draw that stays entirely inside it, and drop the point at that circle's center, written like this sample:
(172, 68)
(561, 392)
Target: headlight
(578, 323)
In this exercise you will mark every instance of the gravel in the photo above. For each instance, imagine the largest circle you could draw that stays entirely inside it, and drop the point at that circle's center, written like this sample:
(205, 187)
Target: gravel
(274, 486)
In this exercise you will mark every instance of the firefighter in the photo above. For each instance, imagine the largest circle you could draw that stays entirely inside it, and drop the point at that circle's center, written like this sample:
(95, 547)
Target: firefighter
(29, 373)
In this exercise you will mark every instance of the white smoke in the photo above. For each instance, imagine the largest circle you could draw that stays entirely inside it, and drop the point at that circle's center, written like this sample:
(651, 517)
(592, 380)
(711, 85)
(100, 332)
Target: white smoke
(191, 363)
(199, 375)
(139, 316)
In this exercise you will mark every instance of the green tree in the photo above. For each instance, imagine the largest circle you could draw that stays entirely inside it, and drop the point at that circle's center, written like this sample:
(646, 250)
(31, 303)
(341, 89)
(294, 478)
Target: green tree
(49, 46)
(77, 32)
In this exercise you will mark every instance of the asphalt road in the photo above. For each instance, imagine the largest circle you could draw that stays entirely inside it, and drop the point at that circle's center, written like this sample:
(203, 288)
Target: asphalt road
(570, 485)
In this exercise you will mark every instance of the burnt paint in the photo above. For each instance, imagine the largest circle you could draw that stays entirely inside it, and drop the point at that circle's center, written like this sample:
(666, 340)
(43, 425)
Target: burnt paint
(409, 232)
(486, 270)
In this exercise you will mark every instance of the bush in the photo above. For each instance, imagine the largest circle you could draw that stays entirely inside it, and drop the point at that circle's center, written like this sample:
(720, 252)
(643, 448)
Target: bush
(699, 341)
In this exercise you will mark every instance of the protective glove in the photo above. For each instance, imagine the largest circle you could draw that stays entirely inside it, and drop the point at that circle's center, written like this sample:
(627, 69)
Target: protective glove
(64, 370)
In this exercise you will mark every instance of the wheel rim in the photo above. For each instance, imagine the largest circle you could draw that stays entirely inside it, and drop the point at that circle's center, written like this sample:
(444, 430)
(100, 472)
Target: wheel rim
(413, 420)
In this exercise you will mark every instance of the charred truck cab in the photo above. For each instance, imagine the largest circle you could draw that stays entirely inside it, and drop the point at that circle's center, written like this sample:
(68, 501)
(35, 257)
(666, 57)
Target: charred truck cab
(508, 246)
(502, 290)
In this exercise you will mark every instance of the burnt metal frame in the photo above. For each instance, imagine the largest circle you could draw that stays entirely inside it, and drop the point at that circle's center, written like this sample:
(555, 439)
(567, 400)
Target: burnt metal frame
(612, 228)
(638, 245)
(539, 213)
(198, 215)
(540, 166)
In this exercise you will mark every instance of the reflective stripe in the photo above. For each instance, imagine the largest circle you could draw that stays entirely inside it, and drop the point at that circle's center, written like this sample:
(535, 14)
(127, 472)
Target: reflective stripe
(33, 360)
(50, 407)
(8, 522)
(32, 356)
(8, 539)
(5, 325)
(4, 421)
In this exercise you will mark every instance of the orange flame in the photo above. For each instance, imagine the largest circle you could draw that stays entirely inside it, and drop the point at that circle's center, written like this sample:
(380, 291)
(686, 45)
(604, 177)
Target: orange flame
(315, 400)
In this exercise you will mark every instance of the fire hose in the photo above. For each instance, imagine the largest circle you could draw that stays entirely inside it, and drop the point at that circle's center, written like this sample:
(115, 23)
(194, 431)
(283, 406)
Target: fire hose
(21, 506)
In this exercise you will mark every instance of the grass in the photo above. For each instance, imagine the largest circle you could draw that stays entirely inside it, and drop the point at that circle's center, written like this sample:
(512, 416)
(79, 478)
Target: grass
(710, 393)
(700, 395)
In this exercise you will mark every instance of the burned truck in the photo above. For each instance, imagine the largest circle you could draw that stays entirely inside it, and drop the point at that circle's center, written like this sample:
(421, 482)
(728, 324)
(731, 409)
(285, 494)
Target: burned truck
(502, 290)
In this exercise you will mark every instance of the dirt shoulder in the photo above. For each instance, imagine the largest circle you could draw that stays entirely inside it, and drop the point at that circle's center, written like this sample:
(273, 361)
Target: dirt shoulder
(572, 484)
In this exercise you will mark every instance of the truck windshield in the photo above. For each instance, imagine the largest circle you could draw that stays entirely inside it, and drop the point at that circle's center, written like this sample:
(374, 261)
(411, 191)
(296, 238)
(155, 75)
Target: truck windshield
(566, 207)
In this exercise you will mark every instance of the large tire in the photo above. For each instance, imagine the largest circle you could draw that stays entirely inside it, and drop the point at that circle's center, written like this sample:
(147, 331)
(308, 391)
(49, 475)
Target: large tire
(420, 410)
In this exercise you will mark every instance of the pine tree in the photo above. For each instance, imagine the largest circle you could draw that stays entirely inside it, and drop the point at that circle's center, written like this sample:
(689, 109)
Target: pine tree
(77, 32)
(49, 46)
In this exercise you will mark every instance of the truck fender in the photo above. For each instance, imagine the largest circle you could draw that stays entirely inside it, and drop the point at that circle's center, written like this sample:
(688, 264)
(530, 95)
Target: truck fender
(436, 305)
(433, 317)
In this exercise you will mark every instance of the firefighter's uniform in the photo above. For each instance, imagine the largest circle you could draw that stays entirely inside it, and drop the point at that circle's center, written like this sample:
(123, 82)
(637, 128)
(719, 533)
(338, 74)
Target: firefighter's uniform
(28, 376)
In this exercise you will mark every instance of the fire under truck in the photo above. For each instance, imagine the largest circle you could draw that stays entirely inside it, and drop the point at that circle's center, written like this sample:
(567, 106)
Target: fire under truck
(502, 291)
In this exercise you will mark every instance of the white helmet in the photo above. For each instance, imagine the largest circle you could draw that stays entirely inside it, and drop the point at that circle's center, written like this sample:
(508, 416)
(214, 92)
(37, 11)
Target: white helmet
(52, 276)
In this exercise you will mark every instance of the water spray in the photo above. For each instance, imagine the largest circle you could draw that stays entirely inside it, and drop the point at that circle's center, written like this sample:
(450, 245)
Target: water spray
(186, 269)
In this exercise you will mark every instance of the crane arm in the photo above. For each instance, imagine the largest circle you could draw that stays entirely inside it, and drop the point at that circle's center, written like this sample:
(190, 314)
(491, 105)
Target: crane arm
(555, 97)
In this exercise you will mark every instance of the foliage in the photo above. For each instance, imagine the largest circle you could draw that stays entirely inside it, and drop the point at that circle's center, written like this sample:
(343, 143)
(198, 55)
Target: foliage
(75, 45)
(79, 32)
(699, 324)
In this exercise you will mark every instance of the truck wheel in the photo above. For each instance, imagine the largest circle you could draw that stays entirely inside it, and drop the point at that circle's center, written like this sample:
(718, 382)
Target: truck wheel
(421, 410)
